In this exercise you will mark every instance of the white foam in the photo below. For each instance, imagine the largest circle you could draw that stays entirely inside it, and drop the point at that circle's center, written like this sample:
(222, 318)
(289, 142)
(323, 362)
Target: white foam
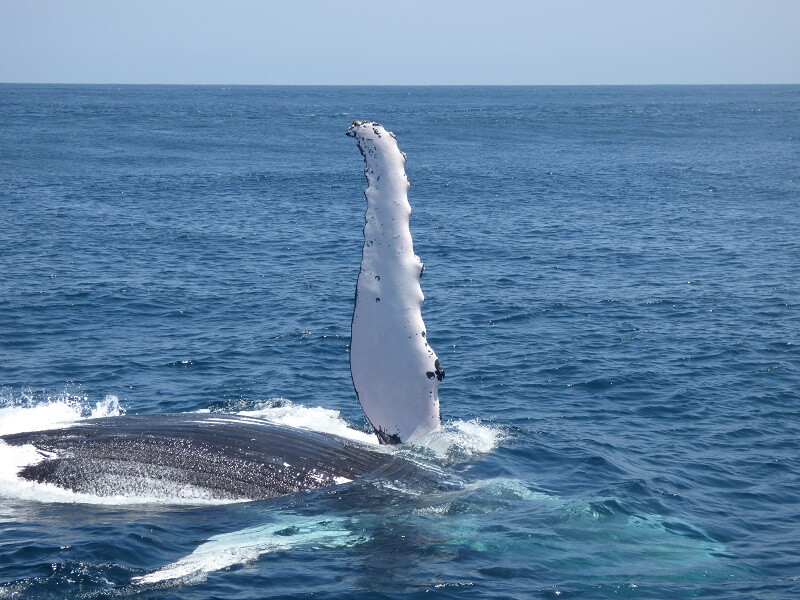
(13, 458)
(462, 439)
(60, 411)
(284, 412)
(245, 546)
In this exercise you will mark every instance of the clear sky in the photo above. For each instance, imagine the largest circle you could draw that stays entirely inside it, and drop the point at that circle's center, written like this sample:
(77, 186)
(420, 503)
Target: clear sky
(400, 41)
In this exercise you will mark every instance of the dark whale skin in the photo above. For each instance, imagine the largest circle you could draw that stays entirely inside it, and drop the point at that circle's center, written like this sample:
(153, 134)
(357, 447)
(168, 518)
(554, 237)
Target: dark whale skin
(224, 457)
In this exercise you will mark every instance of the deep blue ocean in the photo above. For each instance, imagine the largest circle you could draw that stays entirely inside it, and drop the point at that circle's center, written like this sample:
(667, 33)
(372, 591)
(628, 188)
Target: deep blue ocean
(612, 283)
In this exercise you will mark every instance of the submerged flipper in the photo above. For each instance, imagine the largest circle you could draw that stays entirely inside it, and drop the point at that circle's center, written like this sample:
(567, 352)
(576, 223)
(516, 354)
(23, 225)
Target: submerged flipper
(395, 372)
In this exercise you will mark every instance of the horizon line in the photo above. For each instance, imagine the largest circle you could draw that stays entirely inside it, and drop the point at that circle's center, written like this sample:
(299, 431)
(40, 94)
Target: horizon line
(656, 84)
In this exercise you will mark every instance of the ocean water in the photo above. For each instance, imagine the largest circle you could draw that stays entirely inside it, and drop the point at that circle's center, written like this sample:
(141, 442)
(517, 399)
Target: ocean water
(612, 283)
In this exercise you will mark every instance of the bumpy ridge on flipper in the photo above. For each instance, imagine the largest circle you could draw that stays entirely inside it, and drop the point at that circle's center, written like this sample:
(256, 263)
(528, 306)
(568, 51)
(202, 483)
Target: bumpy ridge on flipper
(395, 372)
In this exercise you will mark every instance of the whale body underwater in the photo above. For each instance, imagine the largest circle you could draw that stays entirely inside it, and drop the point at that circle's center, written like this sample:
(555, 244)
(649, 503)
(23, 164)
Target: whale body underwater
(395, 374)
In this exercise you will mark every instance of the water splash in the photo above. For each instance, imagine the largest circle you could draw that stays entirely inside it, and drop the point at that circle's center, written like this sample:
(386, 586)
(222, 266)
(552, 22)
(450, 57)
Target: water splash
(26, 413)
(462, 440)
(284, 412)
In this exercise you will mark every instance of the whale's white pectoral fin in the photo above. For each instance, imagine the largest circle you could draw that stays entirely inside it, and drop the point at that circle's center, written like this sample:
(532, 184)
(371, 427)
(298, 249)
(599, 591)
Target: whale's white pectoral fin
(395, 372)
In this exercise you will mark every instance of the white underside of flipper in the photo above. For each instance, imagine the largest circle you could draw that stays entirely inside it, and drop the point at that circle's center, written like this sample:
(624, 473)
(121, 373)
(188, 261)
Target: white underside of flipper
(395, 372)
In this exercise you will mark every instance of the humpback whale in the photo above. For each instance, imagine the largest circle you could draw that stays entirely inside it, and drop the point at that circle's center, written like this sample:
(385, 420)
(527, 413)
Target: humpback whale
(395, 374)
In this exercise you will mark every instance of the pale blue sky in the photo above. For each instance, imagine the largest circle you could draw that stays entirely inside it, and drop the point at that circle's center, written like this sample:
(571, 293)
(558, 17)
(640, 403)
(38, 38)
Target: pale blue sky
(400, 42)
